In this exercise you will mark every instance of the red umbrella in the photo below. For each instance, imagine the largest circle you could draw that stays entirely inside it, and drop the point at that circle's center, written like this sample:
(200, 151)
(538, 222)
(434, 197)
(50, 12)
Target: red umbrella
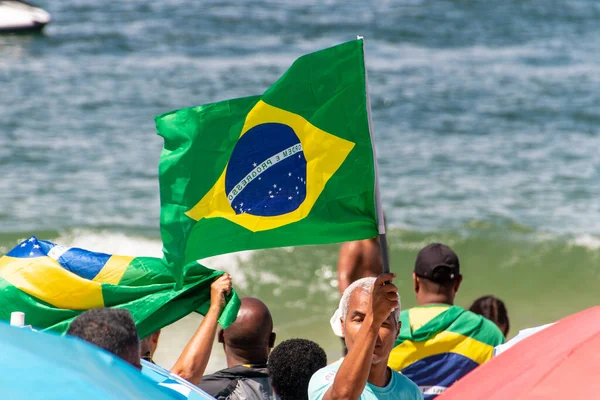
(560, 362)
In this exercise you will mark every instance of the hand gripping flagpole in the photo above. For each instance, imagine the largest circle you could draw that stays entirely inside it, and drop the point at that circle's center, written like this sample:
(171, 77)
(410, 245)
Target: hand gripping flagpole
(385, 259)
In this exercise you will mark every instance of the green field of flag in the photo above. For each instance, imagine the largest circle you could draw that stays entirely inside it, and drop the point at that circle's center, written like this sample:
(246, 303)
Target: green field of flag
(293, 166)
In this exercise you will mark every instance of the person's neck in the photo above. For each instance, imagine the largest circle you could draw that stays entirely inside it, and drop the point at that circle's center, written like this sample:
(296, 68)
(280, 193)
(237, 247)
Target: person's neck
(235, 358)
(433, 299)
(380, 374)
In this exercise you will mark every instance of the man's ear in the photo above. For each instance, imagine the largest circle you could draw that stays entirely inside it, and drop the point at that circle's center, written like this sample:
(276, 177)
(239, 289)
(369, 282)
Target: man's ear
(272, 340)
(220, 336)
(457, 283)
(343, 328)
(416, 283)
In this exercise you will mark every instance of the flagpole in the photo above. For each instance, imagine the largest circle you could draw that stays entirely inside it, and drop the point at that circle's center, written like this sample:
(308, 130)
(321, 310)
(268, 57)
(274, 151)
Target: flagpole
(385, 259)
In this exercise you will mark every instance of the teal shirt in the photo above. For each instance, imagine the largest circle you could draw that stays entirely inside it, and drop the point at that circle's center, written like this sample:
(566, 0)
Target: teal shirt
(399, 388)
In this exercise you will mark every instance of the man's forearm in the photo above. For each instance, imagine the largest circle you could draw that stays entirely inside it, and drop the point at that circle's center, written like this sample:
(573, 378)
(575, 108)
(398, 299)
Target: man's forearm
(353, 374)
(193, 360)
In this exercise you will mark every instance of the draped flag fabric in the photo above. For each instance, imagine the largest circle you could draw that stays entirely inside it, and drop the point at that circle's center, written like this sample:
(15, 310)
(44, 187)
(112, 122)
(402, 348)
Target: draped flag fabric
(291, 167)
(53, 284)
(440, 344)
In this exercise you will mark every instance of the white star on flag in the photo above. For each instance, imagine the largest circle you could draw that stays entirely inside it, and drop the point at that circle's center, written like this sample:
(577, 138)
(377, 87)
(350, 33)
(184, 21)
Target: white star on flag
(289, 198)
(289, 174)
(275, 185)
(36, 246)
(254, 165)
(24, 244)
(31, 239)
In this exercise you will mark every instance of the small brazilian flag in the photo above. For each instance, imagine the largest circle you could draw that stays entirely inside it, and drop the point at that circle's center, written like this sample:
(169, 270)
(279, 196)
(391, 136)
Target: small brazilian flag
(291, 167)
(52, 284)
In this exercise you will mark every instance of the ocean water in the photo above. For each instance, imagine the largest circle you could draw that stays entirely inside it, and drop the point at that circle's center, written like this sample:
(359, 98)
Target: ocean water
(486, 121)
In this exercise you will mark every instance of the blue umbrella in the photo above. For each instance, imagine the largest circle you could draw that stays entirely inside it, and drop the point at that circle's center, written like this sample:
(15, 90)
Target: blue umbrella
(169, 380)
(36, 365)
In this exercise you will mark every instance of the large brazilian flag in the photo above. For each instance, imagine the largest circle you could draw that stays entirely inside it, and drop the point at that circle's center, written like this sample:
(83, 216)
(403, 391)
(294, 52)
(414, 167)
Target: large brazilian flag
(53, 284)
(291, 167)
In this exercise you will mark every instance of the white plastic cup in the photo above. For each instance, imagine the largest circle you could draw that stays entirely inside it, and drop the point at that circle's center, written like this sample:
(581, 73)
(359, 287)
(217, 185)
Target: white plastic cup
(17, 318)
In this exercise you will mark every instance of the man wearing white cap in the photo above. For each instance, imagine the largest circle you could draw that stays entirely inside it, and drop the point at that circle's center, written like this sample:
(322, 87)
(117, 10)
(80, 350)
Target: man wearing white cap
(368, 319)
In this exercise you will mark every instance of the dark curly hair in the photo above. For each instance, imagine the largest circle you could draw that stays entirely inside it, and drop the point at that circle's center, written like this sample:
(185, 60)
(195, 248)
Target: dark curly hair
(111, 329)
(493, 309)
(292, 364)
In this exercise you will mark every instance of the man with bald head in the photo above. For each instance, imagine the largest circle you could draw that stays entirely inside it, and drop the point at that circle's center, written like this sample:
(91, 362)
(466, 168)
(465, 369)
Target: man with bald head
(247, 344)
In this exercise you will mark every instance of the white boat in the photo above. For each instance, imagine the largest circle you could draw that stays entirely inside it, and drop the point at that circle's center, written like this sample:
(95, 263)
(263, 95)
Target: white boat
(18, 16)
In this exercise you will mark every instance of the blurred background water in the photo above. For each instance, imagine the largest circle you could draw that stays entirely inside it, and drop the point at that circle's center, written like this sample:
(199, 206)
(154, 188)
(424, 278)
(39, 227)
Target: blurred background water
(486, 118)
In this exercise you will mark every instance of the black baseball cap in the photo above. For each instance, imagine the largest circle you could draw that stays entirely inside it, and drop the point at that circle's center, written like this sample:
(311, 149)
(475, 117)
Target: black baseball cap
(438, 263)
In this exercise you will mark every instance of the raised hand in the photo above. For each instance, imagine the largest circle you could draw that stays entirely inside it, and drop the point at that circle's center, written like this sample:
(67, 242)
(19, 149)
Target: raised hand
(384, 298)
(218, 290)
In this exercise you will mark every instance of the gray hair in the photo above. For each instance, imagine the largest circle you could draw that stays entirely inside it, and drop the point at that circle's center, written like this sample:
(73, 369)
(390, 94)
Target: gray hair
(365, 284)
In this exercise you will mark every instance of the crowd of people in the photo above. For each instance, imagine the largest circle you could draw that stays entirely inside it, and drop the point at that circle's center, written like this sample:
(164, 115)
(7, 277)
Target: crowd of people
(389, 353)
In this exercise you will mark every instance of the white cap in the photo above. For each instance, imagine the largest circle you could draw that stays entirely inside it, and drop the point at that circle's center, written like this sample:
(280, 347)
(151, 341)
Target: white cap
(17, 318)
(336, 322)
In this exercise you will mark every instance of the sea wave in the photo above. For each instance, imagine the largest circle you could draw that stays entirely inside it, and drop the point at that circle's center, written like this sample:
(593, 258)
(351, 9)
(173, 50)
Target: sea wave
(590, 242)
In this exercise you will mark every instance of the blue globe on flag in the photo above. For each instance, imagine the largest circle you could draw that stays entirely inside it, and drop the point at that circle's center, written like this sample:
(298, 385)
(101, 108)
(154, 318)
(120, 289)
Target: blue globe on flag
(266, 174)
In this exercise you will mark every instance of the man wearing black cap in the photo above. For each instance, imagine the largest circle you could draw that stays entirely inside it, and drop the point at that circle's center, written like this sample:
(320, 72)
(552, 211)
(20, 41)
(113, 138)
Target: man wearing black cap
(439, 342)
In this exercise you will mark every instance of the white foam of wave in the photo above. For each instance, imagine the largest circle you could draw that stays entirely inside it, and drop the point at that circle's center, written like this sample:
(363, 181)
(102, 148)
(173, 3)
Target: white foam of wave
(111, 243)
(232, 264)
(418, 245)
(588, 241)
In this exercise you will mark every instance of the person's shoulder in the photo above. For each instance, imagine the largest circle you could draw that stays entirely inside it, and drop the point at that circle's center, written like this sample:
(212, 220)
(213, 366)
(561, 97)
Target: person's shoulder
(327, 373)
(222, 374)
(350, 246)
(227, 373)
(487, 332)
(218, 383)
(322, 379)
(404, 383)
(405, 388)
(222, 383)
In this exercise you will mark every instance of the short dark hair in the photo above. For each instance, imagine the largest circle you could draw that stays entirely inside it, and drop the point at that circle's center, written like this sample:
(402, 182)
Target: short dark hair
(111, 329)
(430, 286)
(292, 364)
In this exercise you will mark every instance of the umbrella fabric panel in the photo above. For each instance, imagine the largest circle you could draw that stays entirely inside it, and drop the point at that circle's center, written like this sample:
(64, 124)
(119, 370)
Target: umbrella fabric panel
(560, 362)
(173, 382)
(35, 365)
